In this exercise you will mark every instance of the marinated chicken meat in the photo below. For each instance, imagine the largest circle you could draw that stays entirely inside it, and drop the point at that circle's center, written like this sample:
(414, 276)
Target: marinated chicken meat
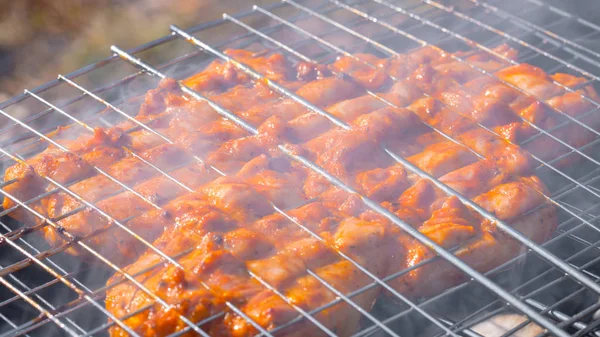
(267, 234)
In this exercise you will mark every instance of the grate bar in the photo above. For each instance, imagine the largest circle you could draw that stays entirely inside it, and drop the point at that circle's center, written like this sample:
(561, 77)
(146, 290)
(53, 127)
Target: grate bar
(495, 288)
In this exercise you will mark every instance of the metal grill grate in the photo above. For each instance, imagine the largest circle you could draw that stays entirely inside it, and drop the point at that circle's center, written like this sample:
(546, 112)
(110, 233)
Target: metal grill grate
(558, 281)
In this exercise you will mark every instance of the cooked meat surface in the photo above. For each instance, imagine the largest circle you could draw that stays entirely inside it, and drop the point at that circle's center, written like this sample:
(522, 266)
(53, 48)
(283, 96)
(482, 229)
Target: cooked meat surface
(251, 228)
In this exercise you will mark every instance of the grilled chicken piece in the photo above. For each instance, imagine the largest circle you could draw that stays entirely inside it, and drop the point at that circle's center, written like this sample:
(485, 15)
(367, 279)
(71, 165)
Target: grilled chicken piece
(118, 246)
(103, 148)
(535, 105)
(480, 244)
(309, 292)
(219, 75)
(441, 158)
(247, 190)
(339, 151)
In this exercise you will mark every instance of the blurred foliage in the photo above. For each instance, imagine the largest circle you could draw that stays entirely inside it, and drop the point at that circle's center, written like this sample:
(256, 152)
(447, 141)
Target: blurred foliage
(41, 38)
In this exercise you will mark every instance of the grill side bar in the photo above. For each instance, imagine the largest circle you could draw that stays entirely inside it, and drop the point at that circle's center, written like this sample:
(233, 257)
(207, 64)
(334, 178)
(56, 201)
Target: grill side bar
(373, 205)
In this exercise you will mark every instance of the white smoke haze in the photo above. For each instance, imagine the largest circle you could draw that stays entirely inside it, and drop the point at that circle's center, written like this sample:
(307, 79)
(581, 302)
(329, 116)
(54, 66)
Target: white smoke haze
(130, 23)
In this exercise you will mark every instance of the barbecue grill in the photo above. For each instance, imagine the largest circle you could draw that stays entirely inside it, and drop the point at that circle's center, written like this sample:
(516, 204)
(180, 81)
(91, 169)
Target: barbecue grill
(46, 292)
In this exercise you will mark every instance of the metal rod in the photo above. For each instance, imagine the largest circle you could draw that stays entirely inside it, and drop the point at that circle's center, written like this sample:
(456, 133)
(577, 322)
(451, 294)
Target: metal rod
(55, 274)
(34, 304)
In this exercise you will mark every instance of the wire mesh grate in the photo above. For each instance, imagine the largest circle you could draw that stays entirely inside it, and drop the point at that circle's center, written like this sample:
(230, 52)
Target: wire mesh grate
(554, 284)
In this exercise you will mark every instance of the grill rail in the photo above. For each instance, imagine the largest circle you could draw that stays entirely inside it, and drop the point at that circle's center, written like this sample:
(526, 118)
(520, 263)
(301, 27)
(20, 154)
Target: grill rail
(544, 315)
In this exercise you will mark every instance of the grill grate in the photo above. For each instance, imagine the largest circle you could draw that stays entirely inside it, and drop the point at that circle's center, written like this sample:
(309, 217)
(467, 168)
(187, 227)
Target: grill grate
(559, 283)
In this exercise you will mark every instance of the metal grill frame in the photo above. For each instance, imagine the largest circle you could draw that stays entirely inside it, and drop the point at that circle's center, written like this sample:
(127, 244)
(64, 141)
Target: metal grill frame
(537, 312)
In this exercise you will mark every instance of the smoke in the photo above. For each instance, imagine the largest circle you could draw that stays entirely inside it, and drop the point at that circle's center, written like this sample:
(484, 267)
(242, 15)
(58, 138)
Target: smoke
(139, 22)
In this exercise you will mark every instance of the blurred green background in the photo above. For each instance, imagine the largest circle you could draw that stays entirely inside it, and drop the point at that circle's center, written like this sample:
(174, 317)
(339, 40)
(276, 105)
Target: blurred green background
(42, 38)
